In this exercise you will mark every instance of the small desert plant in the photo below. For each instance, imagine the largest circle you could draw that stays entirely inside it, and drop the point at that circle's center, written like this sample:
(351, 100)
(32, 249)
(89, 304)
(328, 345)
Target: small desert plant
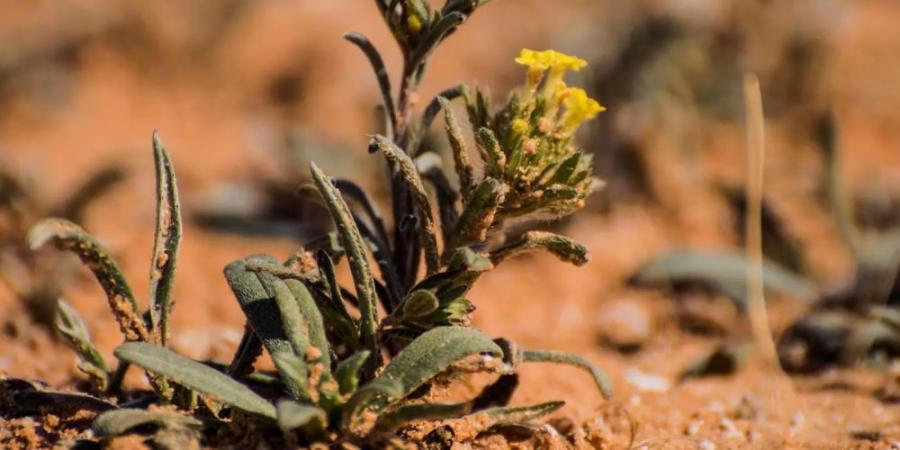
(361, 377)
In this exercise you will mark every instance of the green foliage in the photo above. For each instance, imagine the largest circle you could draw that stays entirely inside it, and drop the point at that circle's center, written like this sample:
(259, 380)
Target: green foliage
(361, 378)
(204, 379)
(725, 272)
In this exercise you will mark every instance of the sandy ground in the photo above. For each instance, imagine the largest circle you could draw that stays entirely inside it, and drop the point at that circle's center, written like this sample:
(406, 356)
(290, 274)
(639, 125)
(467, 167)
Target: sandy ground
(214, 105)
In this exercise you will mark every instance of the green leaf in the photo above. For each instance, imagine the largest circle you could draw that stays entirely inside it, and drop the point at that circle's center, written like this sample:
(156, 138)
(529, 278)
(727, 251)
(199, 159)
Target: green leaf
(435, 35)
(464, 169)
(722, 271)
(491, 153)
(434, 352)
(377, 391)
(560, 246)
(430, 113)
(391, 421)
(478, 215)
(600, 378)
(265, 317)
(166, 241)
(120, 421)
(508, 415)
(401, 162)
(347, 371)
(248, 350)
(66, 235)
(293, 415)
(359, 264)
(194, 375)
(565, 170)
(417, 304)
(384, 81)
(333, 310)
(70, 325)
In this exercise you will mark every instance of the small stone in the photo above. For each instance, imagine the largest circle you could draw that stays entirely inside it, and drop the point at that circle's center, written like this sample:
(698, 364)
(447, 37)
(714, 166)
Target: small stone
(647, 382)
(706, 445)
(624, 324)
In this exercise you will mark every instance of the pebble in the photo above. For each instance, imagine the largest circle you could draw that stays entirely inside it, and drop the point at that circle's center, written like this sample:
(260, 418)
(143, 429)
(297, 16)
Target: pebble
(624, 324)
(706, 445)
(647, 382)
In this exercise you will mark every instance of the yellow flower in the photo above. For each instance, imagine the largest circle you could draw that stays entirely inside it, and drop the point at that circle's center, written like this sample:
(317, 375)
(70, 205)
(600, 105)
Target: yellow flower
(556, 62)
(520, 126)
(549, 59)
(579, 108)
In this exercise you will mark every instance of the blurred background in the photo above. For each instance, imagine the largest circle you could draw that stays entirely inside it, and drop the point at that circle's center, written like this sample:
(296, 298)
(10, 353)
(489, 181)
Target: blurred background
(246, 93)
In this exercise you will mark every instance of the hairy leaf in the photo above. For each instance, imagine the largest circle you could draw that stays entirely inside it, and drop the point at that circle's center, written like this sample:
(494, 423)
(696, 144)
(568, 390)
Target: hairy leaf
(391, 421)
(402, 163)
(430, 113)
(69, 323)
(66, 235)
(121, 421)
(194, 375)
(507, 415)
(359, 264)
(478, 215)
(600, 378)
(377, 391)
(464, 169)
(434, 352)
(417, 304)
(293, 415)
(384, 81)
(560, 246)
(347, 371)
(265, 317)
(165, 243)
(491, 153)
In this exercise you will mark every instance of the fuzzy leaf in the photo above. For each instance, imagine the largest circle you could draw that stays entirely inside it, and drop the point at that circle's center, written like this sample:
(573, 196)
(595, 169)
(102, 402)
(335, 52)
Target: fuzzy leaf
(445, 194)
(478, 215)
(265, 317)
(417, 304)
(508, 415)
(359, 264)
(62, 404)
(434, 352)
(384, 81)
(464, 169)
(435, 35)
(120, 421)
(722, 271)
(165, 243)
(69, 323)
(430, 113)
(401, 162)
(491, 153)
(293, 415)
(600, 378)
(391, 421)
(334, 312)
(194, 375)
(248, 350)
(377, 234)
(347, 371)
(377, 391)
(66, 235)
(560, 246)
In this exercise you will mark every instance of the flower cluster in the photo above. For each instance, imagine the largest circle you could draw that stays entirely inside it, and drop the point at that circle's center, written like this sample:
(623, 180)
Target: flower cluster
(528, 145)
